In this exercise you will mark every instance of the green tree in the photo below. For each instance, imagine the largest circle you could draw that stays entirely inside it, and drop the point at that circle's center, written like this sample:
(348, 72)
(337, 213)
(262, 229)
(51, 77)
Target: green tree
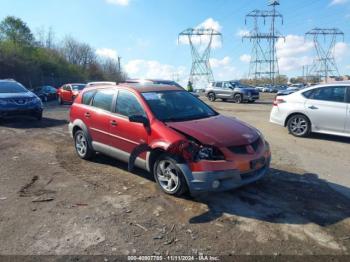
(15, 30)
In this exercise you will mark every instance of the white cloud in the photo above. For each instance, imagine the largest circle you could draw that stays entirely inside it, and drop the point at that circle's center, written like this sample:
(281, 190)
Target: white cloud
(209, 23)
(223, 69)
(341, 50)
(139, 68)
(338, 2)
(293, 53)
(118, 2)
(245, 58)
(242, 32)
(215, 63)
(107, 53)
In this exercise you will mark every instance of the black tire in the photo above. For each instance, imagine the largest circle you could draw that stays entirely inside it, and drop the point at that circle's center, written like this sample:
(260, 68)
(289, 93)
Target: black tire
(86, 154)
(39, 116)
(212, 97)
(299, 125)
(60, 101)
(238, 98)
(179, 186)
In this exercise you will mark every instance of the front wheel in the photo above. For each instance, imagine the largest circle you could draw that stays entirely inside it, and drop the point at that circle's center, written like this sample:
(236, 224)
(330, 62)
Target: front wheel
(299, 126)
(39, 116)
(82, 145)
(211, 97)
(169, 176)
(60, 101)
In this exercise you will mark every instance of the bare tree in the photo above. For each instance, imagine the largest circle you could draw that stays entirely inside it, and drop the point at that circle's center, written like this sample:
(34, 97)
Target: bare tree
(78, 53)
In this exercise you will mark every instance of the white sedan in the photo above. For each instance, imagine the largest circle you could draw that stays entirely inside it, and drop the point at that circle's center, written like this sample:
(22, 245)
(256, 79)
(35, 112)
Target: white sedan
(320, 109)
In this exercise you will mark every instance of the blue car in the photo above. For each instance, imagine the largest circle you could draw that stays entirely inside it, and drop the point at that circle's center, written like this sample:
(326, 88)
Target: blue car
(16, 100)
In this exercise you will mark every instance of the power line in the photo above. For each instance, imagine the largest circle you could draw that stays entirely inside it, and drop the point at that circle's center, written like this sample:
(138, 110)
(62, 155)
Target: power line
(264, 63)
(324, 65)
(201, 69)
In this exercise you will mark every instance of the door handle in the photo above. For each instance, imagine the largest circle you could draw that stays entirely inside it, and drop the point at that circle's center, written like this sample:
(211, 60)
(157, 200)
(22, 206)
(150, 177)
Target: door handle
(313, 107)
(87, 115)
(113, 123)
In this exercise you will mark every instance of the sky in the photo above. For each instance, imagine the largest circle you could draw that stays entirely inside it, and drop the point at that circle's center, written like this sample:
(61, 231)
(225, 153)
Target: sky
(144, 33)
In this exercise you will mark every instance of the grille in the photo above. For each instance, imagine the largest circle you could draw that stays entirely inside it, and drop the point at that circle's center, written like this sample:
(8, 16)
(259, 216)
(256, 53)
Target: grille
(19, 101)
(244, 149)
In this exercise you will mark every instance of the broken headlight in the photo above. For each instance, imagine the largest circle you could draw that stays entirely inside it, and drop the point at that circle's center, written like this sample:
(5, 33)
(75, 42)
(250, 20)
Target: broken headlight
(209, 153)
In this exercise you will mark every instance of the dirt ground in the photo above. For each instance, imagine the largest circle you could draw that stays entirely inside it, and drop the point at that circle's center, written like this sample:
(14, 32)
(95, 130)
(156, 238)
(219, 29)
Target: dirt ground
(51, 202)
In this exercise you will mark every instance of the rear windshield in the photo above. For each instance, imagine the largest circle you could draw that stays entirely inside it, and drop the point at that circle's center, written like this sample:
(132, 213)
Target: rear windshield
(11, 87)
(78, 87)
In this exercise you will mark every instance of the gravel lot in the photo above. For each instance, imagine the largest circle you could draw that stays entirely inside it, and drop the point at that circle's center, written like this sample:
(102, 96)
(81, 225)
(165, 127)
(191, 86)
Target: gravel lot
(52, 202)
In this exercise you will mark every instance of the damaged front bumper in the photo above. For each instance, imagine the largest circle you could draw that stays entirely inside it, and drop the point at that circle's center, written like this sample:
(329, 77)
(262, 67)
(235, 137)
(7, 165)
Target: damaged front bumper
(218, 181)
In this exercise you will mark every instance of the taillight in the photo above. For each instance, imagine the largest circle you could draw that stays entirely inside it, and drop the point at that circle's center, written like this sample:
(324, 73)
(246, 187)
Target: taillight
(278, 101)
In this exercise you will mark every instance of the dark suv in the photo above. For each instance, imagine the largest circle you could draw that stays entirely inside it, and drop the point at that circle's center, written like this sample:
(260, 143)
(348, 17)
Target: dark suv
(15, 100)
(231, 90)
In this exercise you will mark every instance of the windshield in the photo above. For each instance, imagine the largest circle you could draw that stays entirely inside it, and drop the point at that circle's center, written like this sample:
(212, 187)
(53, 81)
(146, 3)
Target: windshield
(173, 106)
(78, 87)
(12, 87)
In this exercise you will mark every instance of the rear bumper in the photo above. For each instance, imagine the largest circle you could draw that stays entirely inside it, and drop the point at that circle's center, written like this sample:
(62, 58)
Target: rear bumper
(277, 117)
(218, 181)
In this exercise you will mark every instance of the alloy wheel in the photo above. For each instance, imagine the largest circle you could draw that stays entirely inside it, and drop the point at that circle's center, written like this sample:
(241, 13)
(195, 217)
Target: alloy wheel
(81, 144)
(167, 176)
(299, 126)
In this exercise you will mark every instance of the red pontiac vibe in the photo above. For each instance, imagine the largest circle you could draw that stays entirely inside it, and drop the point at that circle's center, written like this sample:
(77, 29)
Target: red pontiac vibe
(68, 92)
(171, 133)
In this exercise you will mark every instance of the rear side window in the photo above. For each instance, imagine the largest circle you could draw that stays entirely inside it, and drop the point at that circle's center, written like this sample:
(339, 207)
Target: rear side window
(308, 94)
(218, 84)
(128, 105)
(87, 97)
(103, 99)
(333, 94)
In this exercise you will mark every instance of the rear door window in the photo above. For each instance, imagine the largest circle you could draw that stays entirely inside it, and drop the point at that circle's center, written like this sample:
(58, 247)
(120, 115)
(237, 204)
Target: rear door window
(332, 94)
(103, 99)
(87, 97)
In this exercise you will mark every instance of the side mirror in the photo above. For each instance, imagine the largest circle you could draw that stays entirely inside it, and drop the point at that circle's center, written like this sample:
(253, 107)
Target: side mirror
(139, 119)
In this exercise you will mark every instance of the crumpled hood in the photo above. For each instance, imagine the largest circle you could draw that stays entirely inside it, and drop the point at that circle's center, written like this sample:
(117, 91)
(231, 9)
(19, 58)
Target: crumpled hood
(220, 131)
(17, 95)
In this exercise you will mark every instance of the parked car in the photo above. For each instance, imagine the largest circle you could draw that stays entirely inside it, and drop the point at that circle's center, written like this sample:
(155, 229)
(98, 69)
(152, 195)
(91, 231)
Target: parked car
(231, 90)
(16, 100)
(169, 132)
(320, 109)
(46, 93)
(68, 92)
(157, 82)
(288, 91)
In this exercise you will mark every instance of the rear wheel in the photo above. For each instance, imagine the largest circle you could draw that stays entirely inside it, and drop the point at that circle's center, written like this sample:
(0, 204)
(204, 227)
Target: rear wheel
(211, 97)
(299, 126)
(238, 98)
(82, 145)
(169, 176)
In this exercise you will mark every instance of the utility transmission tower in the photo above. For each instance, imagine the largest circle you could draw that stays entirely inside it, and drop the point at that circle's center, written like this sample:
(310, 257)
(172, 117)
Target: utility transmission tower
(324, 65)
(201, 69)
(264, 61)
